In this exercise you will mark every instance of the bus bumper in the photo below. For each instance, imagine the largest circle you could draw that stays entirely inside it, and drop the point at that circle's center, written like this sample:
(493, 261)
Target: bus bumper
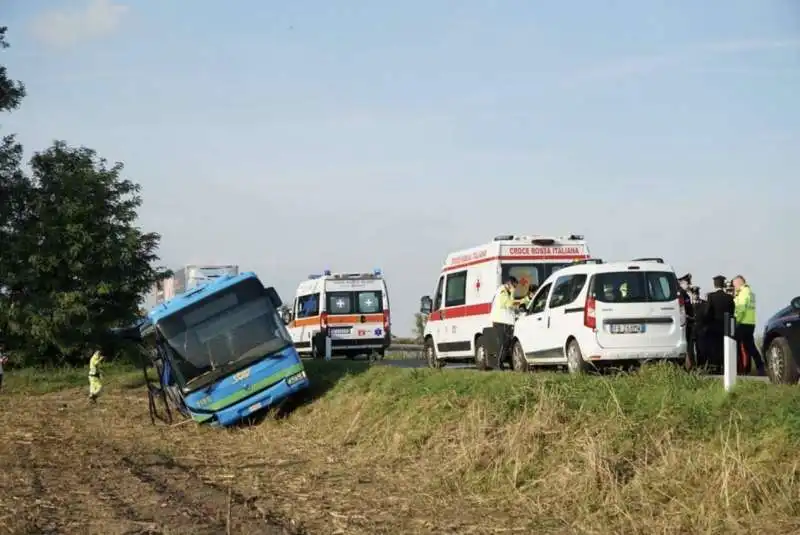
(268, 397)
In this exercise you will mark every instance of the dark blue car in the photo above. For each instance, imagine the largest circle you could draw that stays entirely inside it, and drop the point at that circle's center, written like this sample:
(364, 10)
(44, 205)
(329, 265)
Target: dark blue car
(781, 345)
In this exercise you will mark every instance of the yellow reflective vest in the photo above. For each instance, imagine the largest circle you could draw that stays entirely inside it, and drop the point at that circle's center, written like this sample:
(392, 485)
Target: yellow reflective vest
(502, 306)
(745, 303)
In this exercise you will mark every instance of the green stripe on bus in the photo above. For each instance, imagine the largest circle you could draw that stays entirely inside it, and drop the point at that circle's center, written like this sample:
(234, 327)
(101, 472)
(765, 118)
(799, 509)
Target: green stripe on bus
(254, 388)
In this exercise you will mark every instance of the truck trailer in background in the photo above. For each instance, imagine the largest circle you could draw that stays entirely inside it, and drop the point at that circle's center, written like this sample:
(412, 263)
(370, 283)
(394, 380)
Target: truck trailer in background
(188, 277)
(192, 276)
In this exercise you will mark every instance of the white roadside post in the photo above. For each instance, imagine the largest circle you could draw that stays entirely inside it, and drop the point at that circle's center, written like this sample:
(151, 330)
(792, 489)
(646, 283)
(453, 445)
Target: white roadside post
(328, 348)
(729, 353)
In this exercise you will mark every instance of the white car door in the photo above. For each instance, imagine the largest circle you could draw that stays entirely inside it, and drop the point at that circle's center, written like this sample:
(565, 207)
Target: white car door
(565, 316)
(531, 326)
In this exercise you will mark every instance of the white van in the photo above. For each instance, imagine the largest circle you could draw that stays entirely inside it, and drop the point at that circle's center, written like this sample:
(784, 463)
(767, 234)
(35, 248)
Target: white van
(593, 312)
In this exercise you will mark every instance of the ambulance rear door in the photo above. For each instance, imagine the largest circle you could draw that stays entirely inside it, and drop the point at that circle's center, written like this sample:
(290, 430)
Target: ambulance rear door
(355, 310)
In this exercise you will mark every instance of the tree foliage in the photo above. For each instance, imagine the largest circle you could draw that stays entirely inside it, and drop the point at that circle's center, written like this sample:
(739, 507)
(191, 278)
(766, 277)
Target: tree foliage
(73, 262)
(420, 320)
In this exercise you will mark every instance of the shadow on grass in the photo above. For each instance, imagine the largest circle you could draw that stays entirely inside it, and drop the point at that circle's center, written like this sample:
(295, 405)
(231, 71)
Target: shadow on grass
(323, 376)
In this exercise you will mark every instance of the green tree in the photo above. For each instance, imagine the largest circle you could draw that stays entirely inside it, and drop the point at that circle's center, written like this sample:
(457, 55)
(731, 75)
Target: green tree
(11, 92)
(13, 188)
(12, 179)
(74, 263)
(420, 320)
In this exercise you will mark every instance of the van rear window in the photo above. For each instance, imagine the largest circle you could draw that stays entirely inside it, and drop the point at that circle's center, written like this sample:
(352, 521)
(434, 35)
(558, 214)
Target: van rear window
(635, 287)
(364, 302)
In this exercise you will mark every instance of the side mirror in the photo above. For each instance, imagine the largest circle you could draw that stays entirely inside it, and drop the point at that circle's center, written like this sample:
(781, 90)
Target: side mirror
(796, 303)
(273, 296)
(425, 305)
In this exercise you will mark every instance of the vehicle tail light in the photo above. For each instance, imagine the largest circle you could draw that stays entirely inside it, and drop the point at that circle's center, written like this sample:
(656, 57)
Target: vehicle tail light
(386, 321)
(589, 318)
(323, 321)
(682, 309)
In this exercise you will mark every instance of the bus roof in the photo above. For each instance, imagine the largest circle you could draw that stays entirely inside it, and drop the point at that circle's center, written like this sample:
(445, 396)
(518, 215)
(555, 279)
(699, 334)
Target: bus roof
(194, 295)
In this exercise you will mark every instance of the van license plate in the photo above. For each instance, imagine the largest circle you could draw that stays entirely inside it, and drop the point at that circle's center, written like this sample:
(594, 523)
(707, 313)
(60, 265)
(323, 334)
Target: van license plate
(627, 328)
(339, 330)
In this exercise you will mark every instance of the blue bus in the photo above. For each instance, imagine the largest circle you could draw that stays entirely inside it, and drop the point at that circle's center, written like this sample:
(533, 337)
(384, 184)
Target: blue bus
(222, 351)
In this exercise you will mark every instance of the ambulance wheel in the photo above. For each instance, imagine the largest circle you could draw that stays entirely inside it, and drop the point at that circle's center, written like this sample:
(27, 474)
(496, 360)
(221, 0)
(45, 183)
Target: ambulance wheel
(481, 358)
(575, 362)
(781, 366)
(430, 355)
(318, 346)
(518, 362)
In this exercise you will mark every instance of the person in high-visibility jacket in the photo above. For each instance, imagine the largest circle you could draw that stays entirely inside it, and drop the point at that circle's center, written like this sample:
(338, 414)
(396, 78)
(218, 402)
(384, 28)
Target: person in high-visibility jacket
(502, 316)
(745, 312)
(95, 385)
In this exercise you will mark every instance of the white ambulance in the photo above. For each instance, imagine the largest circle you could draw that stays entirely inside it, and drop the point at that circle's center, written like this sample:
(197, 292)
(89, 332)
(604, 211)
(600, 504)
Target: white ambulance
(462, 302)
(350, 308)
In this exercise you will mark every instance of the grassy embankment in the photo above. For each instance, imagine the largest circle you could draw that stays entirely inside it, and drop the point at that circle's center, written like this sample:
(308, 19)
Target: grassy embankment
(659, 451)
(46, 380)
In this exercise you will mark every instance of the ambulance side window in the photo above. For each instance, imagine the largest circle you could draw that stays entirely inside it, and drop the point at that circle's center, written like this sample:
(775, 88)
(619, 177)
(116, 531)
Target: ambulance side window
(456, 290)
(437, 300)
(308, 305)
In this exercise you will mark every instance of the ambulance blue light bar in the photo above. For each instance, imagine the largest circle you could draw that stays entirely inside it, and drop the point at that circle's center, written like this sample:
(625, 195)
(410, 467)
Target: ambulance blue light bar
(327, 272)
(377, 272)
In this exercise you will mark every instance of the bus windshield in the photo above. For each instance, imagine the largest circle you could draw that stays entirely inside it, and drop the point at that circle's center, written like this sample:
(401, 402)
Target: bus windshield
(232, 327)
(528, 274)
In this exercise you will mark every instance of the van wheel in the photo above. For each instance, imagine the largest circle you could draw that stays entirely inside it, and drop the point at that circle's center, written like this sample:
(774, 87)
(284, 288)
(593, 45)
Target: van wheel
(575, 362)
(518, 362)
(430, 355)
(780, 362)
(481, 359)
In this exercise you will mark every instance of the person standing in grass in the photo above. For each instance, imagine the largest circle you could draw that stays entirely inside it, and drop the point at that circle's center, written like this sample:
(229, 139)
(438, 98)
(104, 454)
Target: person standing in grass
(95, 385)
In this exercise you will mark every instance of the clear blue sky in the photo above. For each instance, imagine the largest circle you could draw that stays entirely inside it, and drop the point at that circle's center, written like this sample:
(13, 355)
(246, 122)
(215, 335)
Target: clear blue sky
(289, 137)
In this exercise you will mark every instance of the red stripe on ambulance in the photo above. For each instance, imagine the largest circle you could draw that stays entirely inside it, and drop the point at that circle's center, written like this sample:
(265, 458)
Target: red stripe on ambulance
(463, 311)
(551, 258)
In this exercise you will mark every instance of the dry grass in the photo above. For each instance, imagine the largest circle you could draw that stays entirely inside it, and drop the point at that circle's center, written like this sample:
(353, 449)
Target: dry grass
(389, 450)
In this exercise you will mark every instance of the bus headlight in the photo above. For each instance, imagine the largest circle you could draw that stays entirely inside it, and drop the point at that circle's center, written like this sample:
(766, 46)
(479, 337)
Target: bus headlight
(296, 378)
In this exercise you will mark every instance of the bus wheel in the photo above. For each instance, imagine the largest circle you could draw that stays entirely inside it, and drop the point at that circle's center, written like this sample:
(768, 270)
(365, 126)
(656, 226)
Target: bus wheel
(481, 358)
(430, 355)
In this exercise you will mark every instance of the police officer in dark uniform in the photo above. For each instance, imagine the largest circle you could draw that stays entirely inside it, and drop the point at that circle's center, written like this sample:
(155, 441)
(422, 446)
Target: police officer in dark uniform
(719, 303)
(700, 306)
(685, 283)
